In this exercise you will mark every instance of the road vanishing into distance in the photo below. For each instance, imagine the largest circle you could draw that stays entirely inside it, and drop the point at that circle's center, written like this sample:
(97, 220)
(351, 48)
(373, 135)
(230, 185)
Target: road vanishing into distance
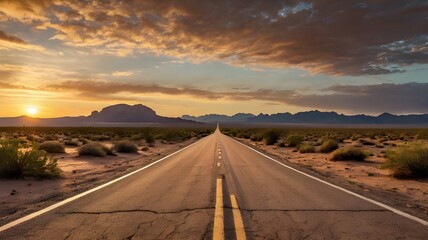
(216, 188)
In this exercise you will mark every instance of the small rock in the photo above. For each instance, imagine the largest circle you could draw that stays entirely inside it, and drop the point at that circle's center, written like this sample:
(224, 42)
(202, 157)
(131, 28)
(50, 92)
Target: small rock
(13, 192)
(29, 184)
(370, 174)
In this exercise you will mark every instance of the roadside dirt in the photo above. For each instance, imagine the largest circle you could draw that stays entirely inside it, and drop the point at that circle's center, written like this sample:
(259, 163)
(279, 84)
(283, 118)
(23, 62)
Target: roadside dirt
(367, 176)
(23, 196)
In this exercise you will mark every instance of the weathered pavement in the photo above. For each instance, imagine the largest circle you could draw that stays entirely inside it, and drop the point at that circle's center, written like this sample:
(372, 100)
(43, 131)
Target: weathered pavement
(176, 199)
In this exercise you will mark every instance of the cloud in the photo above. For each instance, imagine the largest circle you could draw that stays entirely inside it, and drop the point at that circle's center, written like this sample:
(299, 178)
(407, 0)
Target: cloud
(394, 98)
(12, 42)
(5, 37)
(322, 36)
(122, 74)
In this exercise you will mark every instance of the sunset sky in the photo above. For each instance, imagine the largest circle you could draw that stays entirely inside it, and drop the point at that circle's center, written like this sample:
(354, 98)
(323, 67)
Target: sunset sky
(67, 58)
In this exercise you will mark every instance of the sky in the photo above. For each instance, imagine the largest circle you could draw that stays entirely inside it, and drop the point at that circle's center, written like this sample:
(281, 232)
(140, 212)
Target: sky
(68, 58)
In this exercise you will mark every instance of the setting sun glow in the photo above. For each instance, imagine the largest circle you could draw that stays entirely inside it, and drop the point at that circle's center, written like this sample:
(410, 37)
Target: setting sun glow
(32, 110)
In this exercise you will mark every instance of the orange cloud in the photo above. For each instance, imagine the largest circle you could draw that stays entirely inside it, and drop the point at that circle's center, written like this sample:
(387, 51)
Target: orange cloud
(398, 98)
(331, 37)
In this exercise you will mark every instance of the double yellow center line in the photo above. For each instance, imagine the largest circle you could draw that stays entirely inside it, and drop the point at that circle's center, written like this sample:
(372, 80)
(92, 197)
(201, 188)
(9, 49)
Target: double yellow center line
(218, 233)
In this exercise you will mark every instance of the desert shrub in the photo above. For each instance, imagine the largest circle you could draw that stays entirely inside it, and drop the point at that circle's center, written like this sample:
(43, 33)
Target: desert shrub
(409, 161)
(294, 140)
(366, 142)
(52, 147)
(100, 138)
(271, 137)
(95, 149)
(281, 144)
(17, 162)
(306, 148)
(149, 138)
(255, 137)
(329, 146)
(125, 147)
(349, 154)
(145, 149)
(73, 143)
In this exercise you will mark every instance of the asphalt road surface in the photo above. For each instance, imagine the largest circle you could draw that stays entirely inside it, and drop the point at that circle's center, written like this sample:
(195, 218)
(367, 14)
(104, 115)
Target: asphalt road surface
(218, 188)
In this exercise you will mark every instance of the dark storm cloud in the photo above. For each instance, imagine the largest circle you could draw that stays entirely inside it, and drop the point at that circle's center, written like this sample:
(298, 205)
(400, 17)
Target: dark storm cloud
(324, 36)
(394, 98)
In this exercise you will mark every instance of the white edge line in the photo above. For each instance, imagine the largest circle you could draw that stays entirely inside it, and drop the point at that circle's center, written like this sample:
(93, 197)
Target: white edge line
(394, 210)
(63, 202)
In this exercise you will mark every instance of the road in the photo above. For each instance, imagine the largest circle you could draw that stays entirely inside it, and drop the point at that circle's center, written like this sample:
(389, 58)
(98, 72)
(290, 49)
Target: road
(218, 188)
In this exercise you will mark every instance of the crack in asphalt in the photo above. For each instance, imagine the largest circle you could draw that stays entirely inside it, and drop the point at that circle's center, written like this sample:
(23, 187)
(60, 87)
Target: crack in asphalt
(309, 210)
(138, 210)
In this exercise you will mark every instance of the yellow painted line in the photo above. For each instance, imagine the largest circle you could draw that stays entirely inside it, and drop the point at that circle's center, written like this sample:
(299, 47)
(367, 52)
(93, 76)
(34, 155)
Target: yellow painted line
(237, 219)
(218, 164)
(218, 233)
(219, 157)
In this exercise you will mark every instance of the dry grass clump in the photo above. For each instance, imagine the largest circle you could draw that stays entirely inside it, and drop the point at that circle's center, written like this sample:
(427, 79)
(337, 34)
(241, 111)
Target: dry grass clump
(366, 142)
(294, 140)
(17, 161)
(408, 161)
(349, 154)
(306, 148)
(145, 149)
(271, 137)
(52, 147)
(72, 142)
(95, 149)
(125, 146)
(329, 145)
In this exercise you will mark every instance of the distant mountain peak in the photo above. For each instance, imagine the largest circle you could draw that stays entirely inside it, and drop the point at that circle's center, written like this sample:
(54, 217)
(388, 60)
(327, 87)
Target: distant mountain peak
(119, 113)
(314, 116)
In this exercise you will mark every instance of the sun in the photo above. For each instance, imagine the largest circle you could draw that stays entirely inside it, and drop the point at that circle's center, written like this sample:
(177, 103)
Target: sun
(32, 110)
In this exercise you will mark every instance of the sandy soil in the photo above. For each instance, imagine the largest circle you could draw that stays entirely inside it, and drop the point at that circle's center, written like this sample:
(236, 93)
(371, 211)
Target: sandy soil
(20, 197)
(368, 173)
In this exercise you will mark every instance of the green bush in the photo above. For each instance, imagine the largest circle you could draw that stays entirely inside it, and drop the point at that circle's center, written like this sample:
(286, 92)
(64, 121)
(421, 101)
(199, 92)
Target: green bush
(349, 154)
(271, 137)
(409, 161)
(306, 148)
(52, 147)
(294, 140)
(17, 162)
(95, 149)
(125, 146)
(329, 145)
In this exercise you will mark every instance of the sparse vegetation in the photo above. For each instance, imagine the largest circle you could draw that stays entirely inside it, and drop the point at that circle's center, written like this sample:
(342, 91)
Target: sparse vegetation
(16, 161)
(329, 145)
(306, 148)
(52, 147)
(294, 140)
(145, 149)
(409, 161)
(125, 146)
(367, 142)
(349, 154)
(271, 137)
(95, 149)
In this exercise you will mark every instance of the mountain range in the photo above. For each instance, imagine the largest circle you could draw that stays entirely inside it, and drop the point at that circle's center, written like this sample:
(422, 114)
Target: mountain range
(316, 117)
(116, 115)
(140, 115)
